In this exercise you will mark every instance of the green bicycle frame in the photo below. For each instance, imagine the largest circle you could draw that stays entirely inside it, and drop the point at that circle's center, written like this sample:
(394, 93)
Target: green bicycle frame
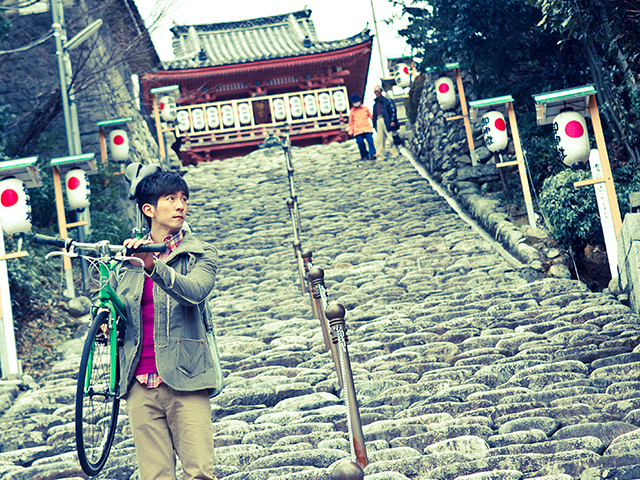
(107, 298)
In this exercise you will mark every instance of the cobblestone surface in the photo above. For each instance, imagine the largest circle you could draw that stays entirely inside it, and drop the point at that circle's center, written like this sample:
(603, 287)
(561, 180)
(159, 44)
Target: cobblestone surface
(466, 364)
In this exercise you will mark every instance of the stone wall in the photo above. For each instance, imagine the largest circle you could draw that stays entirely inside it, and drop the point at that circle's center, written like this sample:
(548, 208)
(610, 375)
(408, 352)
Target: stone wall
(627, 285)
(441, 147)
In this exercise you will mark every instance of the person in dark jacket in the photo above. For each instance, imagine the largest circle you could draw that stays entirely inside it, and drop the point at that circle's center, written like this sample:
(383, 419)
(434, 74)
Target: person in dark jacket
(167, 371)
(385, 121)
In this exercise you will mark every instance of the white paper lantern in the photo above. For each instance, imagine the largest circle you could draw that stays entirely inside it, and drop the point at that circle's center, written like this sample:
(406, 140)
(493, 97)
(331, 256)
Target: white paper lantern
(296, 107)
(228, 118)
(119, 145)
(197, 116)
(213, 118)
(279, 111)
(183, 121)
(403, 75)
(340, 101)
(494, 131)
(572, 139)
(445, 93)
(324, 99)
(78, 191)
(168, 110)
(15, 208)
(244, 113)
(310, 105)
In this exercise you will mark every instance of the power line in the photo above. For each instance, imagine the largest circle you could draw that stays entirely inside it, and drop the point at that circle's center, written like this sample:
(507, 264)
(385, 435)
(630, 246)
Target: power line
(30, 45)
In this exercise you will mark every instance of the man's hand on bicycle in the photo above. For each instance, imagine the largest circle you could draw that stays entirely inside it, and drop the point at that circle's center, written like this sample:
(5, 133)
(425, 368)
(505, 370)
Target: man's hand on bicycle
(146, 257)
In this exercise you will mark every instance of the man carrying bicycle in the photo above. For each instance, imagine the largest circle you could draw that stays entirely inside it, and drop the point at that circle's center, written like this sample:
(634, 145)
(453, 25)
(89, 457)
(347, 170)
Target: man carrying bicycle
(167, 371)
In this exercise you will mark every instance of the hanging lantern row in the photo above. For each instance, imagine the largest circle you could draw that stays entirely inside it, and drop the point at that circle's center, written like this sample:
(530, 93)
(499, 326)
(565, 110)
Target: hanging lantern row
(228, 115)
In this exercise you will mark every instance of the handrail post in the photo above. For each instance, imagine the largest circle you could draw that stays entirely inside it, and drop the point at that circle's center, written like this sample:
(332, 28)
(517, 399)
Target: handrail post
(317, 310)
(335, 314)
(297, 249)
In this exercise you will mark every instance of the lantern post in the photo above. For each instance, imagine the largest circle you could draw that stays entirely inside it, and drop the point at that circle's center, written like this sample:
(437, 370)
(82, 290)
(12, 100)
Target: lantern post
(116, 122)
(503, 105)
(61, 166)
(171, 91)
(452, 71)
(583, 101)
(24, 172)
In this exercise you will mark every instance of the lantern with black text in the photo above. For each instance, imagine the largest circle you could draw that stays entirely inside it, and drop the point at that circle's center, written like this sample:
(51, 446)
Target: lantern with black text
(78, 192)
(445, 93)
(168, 110)
(494, 131)
(119, 145)
(15, 207)
(403, 75)
(572, 139)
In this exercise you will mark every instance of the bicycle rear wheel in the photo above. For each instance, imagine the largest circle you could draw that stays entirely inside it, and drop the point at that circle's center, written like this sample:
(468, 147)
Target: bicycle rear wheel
(96, 404)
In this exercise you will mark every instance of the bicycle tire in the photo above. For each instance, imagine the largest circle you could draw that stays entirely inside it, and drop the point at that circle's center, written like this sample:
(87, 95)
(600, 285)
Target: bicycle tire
(97, 409)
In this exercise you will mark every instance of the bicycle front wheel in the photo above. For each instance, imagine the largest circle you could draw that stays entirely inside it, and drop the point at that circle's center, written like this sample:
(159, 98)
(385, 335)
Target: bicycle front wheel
(97, 402)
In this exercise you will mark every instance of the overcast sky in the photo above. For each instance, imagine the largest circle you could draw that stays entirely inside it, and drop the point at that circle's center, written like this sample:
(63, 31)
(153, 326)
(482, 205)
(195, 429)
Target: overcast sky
(333, 19)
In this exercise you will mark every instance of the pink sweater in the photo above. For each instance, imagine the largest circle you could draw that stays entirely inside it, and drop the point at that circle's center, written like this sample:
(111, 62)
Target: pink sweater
(148, 357)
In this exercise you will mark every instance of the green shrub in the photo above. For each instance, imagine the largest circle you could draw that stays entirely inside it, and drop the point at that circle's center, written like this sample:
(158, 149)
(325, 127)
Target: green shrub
(571, 213)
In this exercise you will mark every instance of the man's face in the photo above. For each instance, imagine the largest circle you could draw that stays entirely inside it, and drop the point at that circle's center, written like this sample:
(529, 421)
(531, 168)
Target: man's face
(170, 212)
(377, 92)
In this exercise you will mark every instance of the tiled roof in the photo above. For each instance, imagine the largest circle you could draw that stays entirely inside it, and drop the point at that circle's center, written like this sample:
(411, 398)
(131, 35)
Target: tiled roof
(265, 38)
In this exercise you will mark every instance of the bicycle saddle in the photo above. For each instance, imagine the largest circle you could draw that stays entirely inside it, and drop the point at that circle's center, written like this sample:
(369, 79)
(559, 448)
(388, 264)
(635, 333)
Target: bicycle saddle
(135, 172)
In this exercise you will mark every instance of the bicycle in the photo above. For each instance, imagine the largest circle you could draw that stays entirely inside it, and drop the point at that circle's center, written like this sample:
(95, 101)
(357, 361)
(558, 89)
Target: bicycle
(97, 392)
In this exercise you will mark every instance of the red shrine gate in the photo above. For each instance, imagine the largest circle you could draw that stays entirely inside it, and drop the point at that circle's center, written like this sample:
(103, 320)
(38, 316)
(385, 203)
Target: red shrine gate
(241, 81)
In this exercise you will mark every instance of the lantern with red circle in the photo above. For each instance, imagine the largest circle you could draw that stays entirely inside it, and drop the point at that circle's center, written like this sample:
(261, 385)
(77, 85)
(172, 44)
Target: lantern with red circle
(494, 131)
(15, 207)
(279, 111)
(119, 145)
(572, 139)
(403, 75)
(78, 191)
(445, 93)
(168, 110)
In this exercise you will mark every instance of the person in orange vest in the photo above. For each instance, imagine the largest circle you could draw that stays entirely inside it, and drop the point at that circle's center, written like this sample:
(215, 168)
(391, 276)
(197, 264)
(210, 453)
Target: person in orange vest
(360, 126)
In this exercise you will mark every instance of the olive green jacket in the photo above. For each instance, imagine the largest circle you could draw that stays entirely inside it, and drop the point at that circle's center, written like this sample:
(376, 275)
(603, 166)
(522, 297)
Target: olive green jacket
(182, 283)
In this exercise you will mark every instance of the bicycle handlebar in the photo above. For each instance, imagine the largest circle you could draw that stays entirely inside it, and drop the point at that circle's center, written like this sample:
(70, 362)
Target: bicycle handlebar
(68, 243)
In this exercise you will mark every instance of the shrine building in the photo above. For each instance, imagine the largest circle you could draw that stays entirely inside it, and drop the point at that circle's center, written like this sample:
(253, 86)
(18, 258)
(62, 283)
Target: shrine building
(239, 82)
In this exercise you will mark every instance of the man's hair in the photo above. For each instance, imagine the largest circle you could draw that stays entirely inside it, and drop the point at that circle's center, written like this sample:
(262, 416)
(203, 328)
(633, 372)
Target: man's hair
(157, 185)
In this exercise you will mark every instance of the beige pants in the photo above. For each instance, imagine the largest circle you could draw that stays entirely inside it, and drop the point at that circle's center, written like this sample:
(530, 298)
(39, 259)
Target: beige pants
(164, 420)
(382, 136)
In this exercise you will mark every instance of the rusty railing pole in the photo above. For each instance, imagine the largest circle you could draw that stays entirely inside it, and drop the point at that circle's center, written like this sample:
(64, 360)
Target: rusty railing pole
(319, 299)
(335, 314)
